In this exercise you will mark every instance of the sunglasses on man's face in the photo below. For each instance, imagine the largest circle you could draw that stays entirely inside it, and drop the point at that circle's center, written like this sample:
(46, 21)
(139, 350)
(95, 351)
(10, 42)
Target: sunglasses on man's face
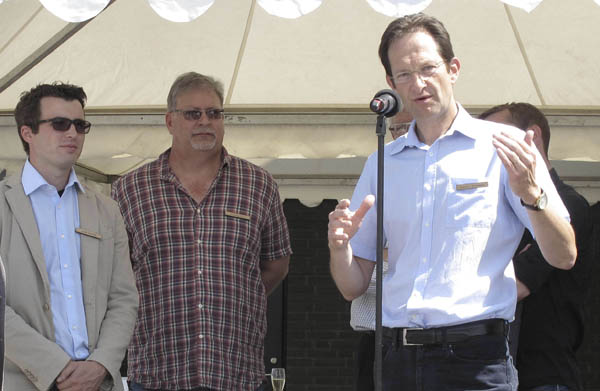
(62, 124)
(196, 115)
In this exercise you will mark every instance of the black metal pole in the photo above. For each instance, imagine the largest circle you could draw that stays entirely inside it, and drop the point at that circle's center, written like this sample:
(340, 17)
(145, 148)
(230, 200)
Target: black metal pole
(380, 131)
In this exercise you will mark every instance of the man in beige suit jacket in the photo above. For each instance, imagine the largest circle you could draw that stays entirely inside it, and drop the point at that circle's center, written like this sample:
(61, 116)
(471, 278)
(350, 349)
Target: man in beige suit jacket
(51, 125)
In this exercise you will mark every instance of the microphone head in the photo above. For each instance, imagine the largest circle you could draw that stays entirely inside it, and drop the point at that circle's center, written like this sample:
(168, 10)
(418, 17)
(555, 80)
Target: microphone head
(386, 102)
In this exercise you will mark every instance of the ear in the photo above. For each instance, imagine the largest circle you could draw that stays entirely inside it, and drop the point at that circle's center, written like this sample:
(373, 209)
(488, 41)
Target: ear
(27, 133)
(390, 82)
(169, 121)
(537, 131)
(454, 69)
(537, 135)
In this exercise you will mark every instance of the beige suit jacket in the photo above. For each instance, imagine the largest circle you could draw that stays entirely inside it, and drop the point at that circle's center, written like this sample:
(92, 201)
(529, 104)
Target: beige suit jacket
(32, 359)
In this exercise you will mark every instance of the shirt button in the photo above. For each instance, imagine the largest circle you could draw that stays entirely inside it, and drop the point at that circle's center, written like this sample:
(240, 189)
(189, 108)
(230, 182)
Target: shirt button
(200, 306)
(66, 265)
(430, 153)
(62, 236)
(198, 241)
(74, 327)
(69, 296)
(201, 336)
(199, 272)
(46, 307)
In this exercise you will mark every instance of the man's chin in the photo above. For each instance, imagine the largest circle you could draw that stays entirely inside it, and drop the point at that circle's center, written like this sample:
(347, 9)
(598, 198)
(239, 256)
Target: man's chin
(206, 146)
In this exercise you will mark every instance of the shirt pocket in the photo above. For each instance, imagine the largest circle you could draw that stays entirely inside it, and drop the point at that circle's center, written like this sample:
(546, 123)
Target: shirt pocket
(469, 203)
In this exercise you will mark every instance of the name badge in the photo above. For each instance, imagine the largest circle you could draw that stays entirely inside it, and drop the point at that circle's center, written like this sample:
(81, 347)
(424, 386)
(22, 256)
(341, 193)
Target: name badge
(85, 232)
(469, 186)
(238, 215)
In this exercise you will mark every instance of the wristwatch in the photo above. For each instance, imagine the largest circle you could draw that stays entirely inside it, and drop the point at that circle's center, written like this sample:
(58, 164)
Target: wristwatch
(540, 203)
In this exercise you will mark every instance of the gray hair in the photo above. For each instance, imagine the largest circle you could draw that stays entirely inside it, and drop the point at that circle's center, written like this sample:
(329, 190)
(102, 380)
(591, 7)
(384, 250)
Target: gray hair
(189, 81)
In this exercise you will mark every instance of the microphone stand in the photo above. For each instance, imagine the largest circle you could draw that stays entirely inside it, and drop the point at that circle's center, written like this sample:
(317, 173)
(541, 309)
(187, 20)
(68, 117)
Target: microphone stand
(380, 131)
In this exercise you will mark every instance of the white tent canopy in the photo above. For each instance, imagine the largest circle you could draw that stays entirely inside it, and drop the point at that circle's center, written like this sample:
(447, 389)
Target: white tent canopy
(295, 88)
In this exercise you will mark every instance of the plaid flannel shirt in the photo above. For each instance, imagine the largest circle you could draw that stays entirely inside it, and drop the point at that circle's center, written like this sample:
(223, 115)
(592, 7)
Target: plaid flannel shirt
(202, 314)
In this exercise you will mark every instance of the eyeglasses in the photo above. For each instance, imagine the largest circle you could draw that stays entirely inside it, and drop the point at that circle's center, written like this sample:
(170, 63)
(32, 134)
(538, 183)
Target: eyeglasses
(400, 127)
(424, 73)
(195, 115)
(62, 124)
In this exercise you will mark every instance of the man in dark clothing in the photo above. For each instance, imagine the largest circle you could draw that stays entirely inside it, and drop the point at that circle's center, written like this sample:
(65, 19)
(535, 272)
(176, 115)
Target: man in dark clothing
(552, 322)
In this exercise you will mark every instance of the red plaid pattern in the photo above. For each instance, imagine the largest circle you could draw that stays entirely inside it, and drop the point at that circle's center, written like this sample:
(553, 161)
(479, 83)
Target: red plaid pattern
(202, 314)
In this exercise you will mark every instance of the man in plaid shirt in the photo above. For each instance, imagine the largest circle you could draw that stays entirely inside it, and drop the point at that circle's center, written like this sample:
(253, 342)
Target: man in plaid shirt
(209, 242)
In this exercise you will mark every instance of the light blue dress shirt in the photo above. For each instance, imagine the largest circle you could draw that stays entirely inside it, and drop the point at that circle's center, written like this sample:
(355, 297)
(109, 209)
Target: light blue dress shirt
(450, 245)
(57, 218)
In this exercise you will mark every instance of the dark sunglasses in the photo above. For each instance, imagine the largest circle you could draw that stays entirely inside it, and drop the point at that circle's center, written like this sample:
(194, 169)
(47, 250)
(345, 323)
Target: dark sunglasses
(62, 124)
(195, 115)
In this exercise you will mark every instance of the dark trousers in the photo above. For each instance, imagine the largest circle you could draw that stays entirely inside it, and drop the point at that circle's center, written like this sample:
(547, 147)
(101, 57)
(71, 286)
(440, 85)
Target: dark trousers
(365, 359)
(479, 363)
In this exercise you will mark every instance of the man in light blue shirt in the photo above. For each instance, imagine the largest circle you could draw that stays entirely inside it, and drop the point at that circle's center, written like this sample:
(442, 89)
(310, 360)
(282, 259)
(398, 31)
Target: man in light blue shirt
(71, 296)
(459, 193)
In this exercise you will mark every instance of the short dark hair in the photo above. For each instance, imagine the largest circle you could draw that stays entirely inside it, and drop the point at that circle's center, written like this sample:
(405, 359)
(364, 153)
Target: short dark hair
(189, 81)
(523, 115)
(28, 109)
(412, 24)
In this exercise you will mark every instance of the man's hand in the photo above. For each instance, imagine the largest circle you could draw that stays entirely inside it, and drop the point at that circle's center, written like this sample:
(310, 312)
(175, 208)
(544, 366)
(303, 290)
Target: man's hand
(344, 223)
(519, 159)
(81, 376)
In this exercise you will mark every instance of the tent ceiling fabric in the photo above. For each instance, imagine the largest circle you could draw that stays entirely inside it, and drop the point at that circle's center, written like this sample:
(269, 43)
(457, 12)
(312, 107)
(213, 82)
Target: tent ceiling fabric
(128, 56)
(282, 76)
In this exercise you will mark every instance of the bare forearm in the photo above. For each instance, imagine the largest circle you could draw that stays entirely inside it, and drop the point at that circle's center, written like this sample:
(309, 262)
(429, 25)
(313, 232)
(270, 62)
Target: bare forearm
(522, 291)
(347, 273)
(273, 272)
(555, 238)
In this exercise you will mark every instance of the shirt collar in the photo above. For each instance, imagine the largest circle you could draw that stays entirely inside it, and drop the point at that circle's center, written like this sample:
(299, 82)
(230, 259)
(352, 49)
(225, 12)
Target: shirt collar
(33, 180)
(460, 124)
(168, 175)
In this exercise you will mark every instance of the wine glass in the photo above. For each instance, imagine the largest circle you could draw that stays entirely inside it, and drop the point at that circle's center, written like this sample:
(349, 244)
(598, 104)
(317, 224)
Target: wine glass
(278, 378)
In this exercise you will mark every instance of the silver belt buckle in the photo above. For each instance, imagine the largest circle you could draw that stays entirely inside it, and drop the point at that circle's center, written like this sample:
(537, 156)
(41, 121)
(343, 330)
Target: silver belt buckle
(404, 342)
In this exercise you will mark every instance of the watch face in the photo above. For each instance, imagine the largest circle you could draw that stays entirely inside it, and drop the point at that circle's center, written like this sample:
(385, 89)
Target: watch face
(543, 201)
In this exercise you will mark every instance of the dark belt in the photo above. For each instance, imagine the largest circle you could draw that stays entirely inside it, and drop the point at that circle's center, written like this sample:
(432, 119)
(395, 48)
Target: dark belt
(448, 334)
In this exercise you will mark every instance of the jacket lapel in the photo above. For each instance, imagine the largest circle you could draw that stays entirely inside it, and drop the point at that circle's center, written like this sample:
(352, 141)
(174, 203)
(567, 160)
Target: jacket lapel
(20, 206)
(89, 222)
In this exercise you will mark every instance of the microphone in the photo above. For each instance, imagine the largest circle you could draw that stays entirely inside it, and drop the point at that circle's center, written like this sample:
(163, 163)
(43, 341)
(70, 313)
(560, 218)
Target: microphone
(386, 103)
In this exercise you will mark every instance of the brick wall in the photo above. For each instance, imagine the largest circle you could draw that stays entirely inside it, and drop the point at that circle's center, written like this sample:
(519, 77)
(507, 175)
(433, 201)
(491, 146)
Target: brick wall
(320, 341)
(319, 338)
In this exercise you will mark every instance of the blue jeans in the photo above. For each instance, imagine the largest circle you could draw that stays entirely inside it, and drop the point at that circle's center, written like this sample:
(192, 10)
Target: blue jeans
(138, 387)
(480, 363)
(549, 387)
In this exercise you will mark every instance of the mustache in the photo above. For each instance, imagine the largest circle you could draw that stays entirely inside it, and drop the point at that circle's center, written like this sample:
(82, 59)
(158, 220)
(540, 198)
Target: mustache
(204, 129)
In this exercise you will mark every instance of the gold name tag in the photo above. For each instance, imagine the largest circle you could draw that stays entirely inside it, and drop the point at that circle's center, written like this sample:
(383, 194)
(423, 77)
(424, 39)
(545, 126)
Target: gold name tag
(238, 215)
(88, 233)
(468, 186)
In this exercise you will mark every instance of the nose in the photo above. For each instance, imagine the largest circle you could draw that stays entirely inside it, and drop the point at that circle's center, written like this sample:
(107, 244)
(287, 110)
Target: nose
(71, 132)
(204, 120)
(418, 80)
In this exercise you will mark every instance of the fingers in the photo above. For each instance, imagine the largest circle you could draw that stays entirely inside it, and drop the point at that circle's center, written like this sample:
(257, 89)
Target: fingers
(519, 158)
(66, 372)
(516, 155)
(343, 223)
(364, 207)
